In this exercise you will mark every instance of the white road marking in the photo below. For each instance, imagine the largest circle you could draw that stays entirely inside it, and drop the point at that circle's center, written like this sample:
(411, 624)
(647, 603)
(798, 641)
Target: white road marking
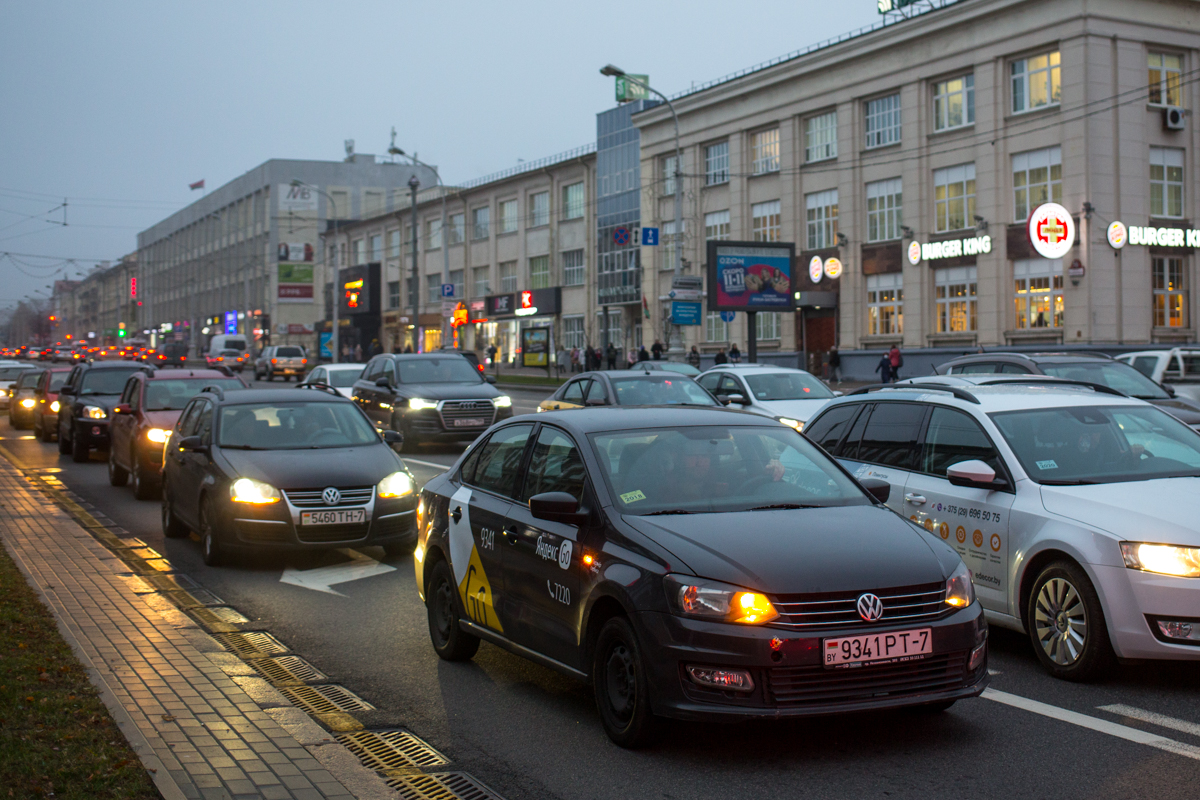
(1160, 720)
(441, 467)
(1094, 723)
(322, 578)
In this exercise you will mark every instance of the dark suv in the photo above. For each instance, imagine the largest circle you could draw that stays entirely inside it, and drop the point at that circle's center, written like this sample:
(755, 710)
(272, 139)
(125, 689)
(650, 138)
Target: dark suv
(85, 406)
(1087, 367)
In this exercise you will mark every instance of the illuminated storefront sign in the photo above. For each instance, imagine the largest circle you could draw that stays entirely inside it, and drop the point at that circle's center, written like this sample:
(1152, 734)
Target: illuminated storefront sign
(1119, 235)
(1051, 230)
(951, 248)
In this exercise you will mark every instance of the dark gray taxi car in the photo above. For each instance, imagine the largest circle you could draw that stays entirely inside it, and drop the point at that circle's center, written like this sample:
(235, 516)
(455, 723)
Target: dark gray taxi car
(696, 564)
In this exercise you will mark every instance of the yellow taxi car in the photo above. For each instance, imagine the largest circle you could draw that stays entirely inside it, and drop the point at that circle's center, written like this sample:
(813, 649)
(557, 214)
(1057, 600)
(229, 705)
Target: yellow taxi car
(628, 387)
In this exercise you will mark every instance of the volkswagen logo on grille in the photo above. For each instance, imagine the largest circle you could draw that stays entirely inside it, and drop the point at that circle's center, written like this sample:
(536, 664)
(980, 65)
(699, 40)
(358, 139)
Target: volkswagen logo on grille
(870, 607)
(332, 497)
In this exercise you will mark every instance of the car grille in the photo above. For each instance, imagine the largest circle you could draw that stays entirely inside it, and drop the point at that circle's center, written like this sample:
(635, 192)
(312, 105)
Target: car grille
(907, 604)
(467, 409)
(312, 498)
(254, 531)
(322, 534)
(800, 686)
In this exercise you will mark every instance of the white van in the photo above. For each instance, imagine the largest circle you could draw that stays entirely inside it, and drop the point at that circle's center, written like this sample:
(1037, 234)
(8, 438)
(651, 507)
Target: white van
(226, 341)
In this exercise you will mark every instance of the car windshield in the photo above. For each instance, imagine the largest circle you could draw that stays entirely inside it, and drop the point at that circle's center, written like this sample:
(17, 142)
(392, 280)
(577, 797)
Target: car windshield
(234, 353)
(660, 390)
(1100, 444)
(29, 380)
(342, 378)
(57, 379)
(11, 373)
(289, 352)
(787, 386)
(450, 369)
(172, 395)
(105, 381)
(719, 469)
(294, 426)
(1113, 374)
(675, 366)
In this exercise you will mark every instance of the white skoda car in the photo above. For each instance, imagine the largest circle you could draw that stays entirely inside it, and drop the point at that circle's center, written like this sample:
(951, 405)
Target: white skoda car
(1077, 511)
(788, 395)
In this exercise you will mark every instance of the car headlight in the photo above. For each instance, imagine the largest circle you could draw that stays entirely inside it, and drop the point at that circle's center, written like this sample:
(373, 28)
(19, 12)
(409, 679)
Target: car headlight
(28, 402)
(418, 404)
(158, 435)
(697, 597)
(94, 412)
(248, 490)
(1165, 559)
(54, 407)
(791, 423)
(397, 484)
(960, 592)
(503, 401)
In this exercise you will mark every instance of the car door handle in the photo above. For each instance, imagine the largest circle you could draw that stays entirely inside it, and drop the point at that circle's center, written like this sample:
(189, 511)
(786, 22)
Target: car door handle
(915, 499)
(511, 534)
(456, 513)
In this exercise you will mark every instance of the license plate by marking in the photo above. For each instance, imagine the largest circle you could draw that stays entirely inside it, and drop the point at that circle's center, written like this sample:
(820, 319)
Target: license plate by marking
(471, 422)
(339, 517)
(876, 648)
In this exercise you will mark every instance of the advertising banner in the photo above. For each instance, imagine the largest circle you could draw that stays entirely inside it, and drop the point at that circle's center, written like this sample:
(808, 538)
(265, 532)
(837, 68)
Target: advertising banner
(535, 347)
(295, 251)
(750, 276)
(683, 313)
(296, 198)
(295, 283)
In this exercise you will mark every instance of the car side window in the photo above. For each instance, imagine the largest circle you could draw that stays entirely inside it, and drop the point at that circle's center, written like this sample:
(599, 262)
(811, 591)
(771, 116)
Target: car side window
(709, 382)
(984, 368)
(135, 394)
(555, 466)
(500, 460)
(1174, 367)
(573, 393)
(467, 473)
(1013, 369)
(372, 371)
(204, 423)
(597, 391)
(892, 435)
(187, 420)
(1146, 365)
(729, 385)
(829, 429)
(953, 437)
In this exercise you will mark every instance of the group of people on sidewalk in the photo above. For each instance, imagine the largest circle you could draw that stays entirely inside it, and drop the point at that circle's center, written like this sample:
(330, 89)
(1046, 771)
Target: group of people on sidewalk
(889, 365)
(586, 359)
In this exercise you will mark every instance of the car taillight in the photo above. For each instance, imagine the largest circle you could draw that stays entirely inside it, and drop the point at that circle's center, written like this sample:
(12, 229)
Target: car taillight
(273, 361)
(304, 361)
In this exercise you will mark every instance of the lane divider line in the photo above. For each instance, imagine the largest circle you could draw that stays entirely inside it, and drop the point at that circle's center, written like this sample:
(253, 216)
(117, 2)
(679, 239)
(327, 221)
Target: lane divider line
(1094, 723)
(1161, 720)
(441, 467)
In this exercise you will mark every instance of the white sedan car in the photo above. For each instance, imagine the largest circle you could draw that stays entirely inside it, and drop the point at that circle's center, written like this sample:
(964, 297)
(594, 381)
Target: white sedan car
(339, 376)
(1077, 511)
(791, 396)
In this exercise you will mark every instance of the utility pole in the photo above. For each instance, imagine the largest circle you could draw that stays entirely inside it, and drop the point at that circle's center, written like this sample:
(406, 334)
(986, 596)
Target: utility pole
(396, 151)
(337, 279)
(415, 295)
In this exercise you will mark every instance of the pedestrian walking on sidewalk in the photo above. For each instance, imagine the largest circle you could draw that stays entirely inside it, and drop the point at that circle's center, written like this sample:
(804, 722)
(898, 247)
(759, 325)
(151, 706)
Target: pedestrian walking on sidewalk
(835, 364)
(611, 356)
(735, 355)
(657, 350)
(642, 354)
(693, 357)
(720, 357)
(896, 360)
(884, 368)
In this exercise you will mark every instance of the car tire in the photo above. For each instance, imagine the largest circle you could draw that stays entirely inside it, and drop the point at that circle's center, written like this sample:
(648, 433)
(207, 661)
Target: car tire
(79, 450)
(210, 546)
(144, 486)
(450, 641)
(270, 375)
(172, 528)
(117, 475)
(1066, 624)
(621, 687)
(64, 444)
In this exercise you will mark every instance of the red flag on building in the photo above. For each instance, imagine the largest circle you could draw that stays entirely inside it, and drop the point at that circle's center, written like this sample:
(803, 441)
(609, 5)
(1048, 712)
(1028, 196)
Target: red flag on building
(645, 307)
(196, 185)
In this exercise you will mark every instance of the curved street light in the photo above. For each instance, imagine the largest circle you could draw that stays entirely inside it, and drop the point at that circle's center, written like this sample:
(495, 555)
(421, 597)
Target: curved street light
(396, 151)
(336, 294)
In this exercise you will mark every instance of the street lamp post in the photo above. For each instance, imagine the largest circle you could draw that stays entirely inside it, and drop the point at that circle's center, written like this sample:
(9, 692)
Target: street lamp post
(414, 183)
(674, 332)
(393, 150)
(336, 294)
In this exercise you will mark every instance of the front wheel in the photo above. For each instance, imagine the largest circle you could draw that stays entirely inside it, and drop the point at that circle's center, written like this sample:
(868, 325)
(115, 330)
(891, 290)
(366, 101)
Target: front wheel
(79, 450)
(1066, 624)
(621, 687)
(450, 641)
(145, 487)
(117, 475)
(172, 528)
(64, 444)
(210, 548)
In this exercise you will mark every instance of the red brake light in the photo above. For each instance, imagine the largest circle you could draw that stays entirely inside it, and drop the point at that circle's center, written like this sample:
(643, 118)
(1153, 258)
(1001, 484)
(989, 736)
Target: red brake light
(273, 361)
(304, 361)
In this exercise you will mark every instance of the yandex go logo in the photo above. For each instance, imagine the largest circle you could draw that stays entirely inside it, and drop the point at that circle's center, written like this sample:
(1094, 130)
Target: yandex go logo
(1051, 230)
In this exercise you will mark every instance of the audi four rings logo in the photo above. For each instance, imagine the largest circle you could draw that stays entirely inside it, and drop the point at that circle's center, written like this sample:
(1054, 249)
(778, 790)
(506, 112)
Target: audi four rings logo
(332, 497)
(870, 607)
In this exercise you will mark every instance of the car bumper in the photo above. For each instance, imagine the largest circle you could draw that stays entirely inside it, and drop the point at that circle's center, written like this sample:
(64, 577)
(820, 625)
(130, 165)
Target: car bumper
(428, 425)
(792, 682)
(94, 432)
(1135, 600)
(277, 527)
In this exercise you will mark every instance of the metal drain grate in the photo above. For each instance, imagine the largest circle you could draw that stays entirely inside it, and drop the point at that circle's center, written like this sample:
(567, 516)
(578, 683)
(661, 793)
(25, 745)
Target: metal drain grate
(205, 598)
(387, 751)
(287, 670)
(254, 644)
(217, 620)
(325, 699)
(230, 615)
(442, 786)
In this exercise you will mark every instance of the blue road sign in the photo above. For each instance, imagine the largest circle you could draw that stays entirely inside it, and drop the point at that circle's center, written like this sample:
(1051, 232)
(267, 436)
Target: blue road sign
(650, 236)
(447, 290)
(727, 316)
(621, 235)
(685, 313)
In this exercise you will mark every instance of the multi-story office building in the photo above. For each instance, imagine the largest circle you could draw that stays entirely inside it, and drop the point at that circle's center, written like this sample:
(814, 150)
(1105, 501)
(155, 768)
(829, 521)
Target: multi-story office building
(953, 127)
(102, 307)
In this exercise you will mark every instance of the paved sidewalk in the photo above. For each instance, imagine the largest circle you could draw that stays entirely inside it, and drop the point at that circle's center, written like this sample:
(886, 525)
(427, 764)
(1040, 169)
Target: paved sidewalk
(192, 723)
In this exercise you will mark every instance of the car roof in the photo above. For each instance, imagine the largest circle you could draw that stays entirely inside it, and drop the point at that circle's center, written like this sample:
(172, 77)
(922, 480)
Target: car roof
(131, 365)
(1020, 395)
(615, 418)
(423, 356)
(175, 374)
(245, 396)
(346, 367)
(1035, 358)
(763, 368)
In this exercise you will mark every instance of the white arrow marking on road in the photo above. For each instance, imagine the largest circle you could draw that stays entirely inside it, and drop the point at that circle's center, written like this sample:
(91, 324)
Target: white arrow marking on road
(320, 579)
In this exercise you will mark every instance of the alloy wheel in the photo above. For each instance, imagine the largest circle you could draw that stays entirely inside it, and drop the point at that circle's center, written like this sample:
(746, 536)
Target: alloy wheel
(1060, 621)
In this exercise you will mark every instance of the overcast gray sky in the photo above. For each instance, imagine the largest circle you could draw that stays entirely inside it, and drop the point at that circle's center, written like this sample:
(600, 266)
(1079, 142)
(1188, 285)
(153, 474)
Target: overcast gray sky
(119, 106)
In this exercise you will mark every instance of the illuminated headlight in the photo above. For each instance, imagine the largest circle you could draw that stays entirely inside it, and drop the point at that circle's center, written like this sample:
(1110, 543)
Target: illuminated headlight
(960, 592)
(158, 435)
(792, 423)
(397, 484)
(28, 402)
(248, 490)
(697, 597)
(503, 401)
(1165, 559)
(418, 404)
(54, 407)
(94, 412)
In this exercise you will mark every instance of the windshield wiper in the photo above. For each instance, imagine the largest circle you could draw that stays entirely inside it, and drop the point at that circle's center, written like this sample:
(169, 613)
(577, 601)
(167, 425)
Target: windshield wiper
(665, 512)
(241, 447)
(775, 506)
(1069, 482)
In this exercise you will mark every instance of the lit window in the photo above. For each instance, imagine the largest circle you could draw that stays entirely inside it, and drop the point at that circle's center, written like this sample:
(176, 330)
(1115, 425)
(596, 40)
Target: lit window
(884, 218)
(765, 221)
(820, 137)
(954, 103)
(956, 304)
(1170, 293)
(1165, 85)
(1039, 297)
(1036, 82)
(1037, 179)
(716, 226)
(716, 163)
(1166, 182)
(822, 212)
(883, 121)
(765, 146)
(954, 198)
(885, 304)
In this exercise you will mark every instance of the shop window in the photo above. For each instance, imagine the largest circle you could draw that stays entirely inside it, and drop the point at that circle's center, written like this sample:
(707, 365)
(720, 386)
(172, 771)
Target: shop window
(956, 299)
(1170, 293)
(1039, 293)
(885, 304)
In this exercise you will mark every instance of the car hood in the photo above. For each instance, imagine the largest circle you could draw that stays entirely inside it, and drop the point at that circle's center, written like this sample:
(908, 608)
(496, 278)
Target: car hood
(1185, 410)
(801, 410)
(449, 391)
(162, 419)
(315, 469)
(105, 401)
(848, 549)
(1164, 510)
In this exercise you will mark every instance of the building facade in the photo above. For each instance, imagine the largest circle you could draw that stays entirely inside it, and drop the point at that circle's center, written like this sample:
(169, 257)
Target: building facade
(949, 130)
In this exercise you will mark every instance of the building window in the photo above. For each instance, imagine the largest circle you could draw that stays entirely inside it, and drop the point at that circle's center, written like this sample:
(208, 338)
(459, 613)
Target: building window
(954, 198)
(1166, 182)
(822, 210)
(572, 331)
(716, 226)
(716, 163)
(574, 272)
(458, 228)
(955, 299)
(394, 244)
(1035, 82)
(668, 175)
(1165, 85)
(540, 214)
(410, 288)
(481, 219)
(508, 277)
(539, 272)
(1037, 179)
(884, 216)
(666, 239)
(1039, 297)
(767, 325)
(479, 281)
(458, 278)
(360, 252)
(820, 137)
(573, 204)
(765, 147)
(954, 103)
(376, 247)
(765, 221)
(433, 288)
(508, 216)
(433, 234)
(883, 121)
(393, 294)
(1170, 293)
(715, 329)
(885, 304)
(372, 203)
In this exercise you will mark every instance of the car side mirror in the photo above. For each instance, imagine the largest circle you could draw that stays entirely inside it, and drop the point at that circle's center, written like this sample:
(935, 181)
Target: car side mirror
(974, 474)
(738, 398)
(557, 507)
(1168, 389)
(490, 378)
(193, 444)
(383, 382)
(393, 437)
(122, 408)
(880, 490)
(66, 391)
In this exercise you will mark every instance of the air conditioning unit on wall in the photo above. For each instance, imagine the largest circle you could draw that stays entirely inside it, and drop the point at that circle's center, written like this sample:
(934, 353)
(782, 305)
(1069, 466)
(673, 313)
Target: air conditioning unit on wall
(1173, 119)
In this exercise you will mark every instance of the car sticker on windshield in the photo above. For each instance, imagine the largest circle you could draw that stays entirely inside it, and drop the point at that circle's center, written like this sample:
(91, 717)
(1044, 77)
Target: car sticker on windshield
(1046, 465)
(473, 586)
(633, 497)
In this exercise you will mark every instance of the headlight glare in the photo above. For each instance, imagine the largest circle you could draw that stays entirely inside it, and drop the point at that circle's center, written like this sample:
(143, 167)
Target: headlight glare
(503, 401)
(248, 490)
(1165, 559)
(791, 423)
(28, 402)
(398, 484)
(158, 435)
(960, 592)
(94, 412)
(54, 407)
(419, 404)
(697, 597)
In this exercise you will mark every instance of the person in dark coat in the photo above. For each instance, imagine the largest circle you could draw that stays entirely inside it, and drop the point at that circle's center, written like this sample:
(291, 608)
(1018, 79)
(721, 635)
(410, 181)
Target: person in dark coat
(735, 355)
(835, 364)
(884, 368)
(720, 357)
(642, 354)
(611, 356)
(657, 350)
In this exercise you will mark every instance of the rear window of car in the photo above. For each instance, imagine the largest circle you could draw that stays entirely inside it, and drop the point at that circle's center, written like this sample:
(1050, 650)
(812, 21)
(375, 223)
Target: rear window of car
(657, 390)
(289, 352)
(174, 394)
(105, 381)
(29, 380)
(57, 379)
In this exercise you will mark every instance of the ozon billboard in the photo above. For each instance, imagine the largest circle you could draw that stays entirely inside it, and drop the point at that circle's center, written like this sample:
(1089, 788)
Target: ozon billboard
(750, 276)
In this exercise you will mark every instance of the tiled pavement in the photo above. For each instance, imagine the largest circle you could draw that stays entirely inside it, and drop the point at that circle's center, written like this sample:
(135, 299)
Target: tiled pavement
(173, 695)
